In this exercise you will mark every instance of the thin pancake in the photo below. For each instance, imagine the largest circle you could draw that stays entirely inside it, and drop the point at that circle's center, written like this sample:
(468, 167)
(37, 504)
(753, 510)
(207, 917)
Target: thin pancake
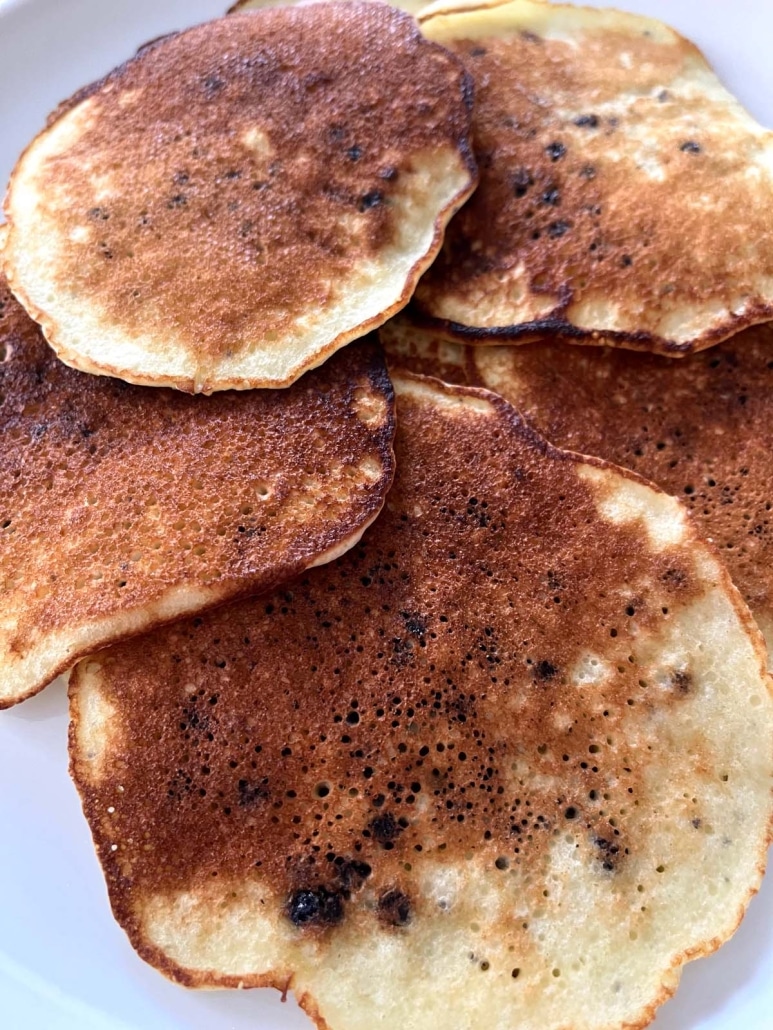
(124, 507)
(626, 197)
(412, 6)
(240, 200)
(699, 428)
(506, 763)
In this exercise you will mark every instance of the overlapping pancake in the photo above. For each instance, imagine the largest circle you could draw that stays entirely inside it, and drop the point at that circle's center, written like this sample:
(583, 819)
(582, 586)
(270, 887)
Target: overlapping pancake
(412, 6)
(699, 428)
(506, 763)
(242, 199)
(626, 197)
(125, 507)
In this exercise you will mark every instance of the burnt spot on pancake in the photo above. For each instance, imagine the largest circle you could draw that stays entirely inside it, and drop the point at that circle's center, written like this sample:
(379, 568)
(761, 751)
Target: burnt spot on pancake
(317, 907)
(394, 908)
(608, 852)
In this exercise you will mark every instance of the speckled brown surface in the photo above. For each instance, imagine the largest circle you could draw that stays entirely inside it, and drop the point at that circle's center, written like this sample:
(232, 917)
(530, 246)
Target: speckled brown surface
(417, 703)
(115, 496)
(699, 427)
(222, 191)
(625, 197)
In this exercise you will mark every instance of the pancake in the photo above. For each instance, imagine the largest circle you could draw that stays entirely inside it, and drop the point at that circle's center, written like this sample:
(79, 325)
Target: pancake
(412, 6)
(506, 763)
(626, 197)
(242, 199)
(699, 428)
(125, 507)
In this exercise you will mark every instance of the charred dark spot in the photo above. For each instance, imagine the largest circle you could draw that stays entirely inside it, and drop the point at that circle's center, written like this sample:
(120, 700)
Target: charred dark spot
(415, 623)
(316, 906)
(555, 150)
(674, 577)
(233, 173)
(522, 181)
(394, 908)
(353, 874)
(370, 200)
(608, 852)
(551, 197)
(478, 51)
(354, 153)
(384, 828)
(588, 172)
(86, 432)
(181, 178)
(213, 85)
(100, 214)
(587, 121)
(389, 174)
(557, 229)
(681, 681)
(690, 147)
(663, 96)
(545, 670)
(626, 260)
(178, 200)
(402, 651)
(251, 793)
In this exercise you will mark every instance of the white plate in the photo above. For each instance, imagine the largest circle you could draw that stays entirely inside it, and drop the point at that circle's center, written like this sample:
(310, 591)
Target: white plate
(64, 963)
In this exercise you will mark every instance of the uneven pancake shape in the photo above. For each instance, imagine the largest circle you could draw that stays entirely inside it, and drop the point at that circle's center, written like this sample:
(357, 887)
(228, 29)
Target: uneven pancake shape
(506, 763)
(242, 199)
(625, 198)
(124, 507)
(699, 428)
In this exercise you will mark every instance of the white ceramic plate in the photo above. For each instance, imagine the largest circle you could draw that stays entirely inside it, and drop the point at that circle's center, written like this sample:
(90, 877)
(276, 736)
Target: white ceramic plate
(64, 963)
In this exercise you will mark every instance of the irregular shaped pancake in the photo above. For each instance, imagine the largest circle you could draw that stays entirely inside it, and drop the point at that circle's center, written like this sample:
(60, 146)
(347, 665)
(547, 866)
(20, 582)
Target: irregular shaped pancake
(626, 197)
(506, 763)
(124, 507)
(240, 200)
(699, 428)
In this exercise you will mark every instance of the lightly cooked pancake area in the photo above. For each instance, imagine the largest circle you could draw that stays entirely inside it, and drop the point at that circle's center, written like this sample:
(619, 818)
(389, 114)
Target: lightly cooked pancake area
(507, 762)
(625, 196)
(241, 199)
(699, 428)
(124, 507)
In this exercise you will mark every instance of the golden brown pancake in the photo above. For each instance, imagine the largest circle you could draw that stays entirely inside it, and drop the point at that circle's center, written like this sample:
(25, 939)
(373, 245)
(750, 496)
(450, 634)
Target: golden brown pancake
(506, 763)
(626, 197)
(699, 428)
(125, 507)
(242, 199)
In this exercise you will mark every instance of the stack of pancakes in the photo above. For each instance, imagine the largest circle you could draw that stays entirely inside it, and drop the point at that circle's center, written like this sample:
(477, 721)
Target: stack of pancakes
(406, 670)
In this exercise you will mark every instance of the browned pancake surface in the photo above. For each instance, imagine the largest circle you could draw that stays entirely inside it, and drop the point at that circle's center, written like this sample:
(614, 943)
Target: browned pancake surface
(471, 686)
(221, 191)
(619, 197)
(119, 499)
(699, 428)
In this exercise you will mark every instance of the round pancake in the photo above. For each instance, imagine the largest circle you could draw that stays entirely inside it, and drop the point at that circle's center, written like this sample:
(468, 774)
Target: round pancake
(124, 507)
(506, 763)
(242, 199)
(626, 197)
(699, 428)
